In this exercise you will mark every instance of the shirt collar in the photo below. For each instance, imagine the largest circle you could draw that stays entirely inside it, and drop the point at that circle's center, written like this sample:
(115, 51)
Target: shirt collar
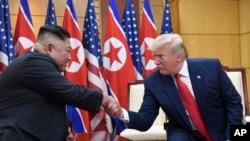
(184, 69)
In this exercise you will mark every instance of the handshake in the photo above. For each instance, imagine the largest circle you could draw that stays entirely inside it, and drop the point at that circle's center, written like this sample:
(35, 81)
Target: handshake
(112, 106)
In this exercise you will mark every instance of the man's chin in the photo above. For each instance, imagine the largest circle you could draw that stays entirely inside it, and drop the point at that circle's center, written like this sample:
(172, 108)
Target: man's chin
(164, 72)
(63, 69)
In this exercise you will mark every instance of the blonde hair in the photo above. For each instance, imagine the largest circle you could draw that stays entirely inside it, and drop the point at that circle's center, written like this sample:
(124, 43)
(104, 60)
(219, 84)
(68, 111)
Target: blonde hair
(171, 41)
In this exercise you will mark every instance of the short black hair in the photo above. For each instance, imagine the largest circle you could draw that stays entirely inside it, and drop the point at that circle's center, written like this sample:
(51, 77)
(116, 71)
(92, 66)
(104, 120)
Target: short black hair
(56, 30)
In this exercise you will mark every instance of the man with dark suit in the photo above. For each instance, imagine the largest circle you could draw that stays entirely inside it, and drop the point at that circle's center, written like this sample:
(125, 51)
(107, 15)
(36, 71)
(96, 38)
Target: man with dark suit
(219, 104)
(33, 92)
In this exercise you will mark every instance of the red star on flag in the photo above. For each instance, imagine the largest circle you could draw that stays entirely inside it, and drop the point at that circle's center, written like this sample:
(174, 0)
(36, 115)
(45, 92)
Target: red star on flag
(74, 57)
(113, 54)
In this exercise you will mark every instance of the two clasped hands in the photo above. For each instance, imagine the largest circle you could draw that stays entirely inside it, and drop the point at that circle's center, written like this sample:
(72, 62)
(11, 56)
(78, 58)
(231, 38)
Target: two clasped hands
(112, 106)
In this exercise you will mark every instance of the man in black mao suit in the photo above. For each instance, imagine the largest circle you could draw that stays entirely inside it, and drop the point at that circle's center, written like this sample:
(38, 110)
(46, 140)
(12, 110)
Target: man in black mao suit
(33, 92)
(217, 99)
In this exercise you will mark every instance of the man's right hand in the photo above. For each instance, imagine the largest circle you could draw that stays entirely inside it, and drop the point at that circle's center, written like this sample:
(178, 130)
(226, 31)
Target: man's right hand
(111, 106)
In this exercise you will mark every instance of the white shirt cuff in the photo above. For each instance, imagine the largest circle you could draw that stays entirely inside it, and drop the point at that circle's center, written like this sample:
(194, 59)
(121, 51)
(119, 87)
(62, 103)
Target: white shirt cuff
(125, 115)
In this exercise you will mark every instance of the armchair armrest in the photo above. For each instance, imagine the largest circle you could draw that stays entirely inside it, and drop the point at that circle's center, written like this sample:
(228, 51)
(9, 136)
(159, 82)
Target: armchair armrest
(247, 119)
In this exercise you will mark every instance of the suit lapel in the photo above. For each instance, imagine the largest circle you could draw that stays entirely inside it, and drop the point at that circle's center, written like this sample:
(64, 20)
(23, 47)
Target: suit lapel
(197, 82)
(175, 99)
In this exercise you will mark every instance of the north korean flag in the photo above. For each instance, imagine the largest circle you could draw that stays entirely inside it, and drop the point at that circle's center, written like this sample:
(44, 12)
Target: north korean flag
(76, 70)
(118, 65)
(24, 36)
(148, 33)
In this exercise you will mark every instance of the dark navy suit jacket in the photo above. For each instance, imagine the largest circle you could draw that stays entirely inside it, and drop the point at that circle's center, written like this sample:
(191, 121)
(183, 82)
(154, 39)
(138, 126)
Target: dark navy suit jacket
(218, 100)
(33, 95)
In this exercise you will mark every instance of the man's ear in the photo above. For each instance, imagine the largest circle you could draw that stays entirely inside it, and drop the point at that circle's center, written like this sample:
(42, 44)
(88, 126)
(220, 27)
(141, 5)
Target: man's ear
(48, 48)
(178, 57)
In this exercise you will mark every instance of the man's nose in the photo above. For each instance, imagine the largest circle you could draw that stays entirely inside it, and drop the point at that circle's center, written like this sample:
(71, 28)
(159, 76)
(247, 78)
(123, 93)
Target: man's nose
(69, 56)
(156, 61)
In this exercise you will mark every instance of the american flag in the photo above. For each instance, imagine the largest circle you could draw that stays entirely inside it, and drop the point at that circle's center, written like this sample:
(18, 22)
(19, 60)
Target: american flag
(148, 33)
(7, 52)
(51, 13)
(117, 60)
(76, 70)
(24, 37)
(99, 121)
(166, 26)
(131, 32)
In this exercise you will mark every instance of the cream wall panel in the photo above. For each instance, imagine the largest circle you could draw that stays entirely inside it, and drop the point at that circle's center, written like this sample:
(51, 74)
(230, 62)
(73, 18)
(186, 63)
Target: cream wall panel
(245, 38)
(224, 47)
(37, 22)
(13, 23)
(59, 20)
(39, 7)
(156, 2)
(13, 6)
(174, 13)
(244, 10)
(245, 50)
(209, 16)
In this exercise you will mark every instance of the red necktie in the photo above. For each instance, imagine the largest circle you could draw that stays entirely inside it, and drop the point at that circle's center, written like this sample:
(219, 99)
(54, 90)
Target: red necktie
(192, 108)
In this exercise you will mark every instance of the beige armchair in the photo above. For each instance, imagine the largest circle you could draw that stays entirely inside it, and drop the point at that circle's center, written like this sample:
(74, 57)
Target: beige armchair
(238, 78)
(156, 132)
